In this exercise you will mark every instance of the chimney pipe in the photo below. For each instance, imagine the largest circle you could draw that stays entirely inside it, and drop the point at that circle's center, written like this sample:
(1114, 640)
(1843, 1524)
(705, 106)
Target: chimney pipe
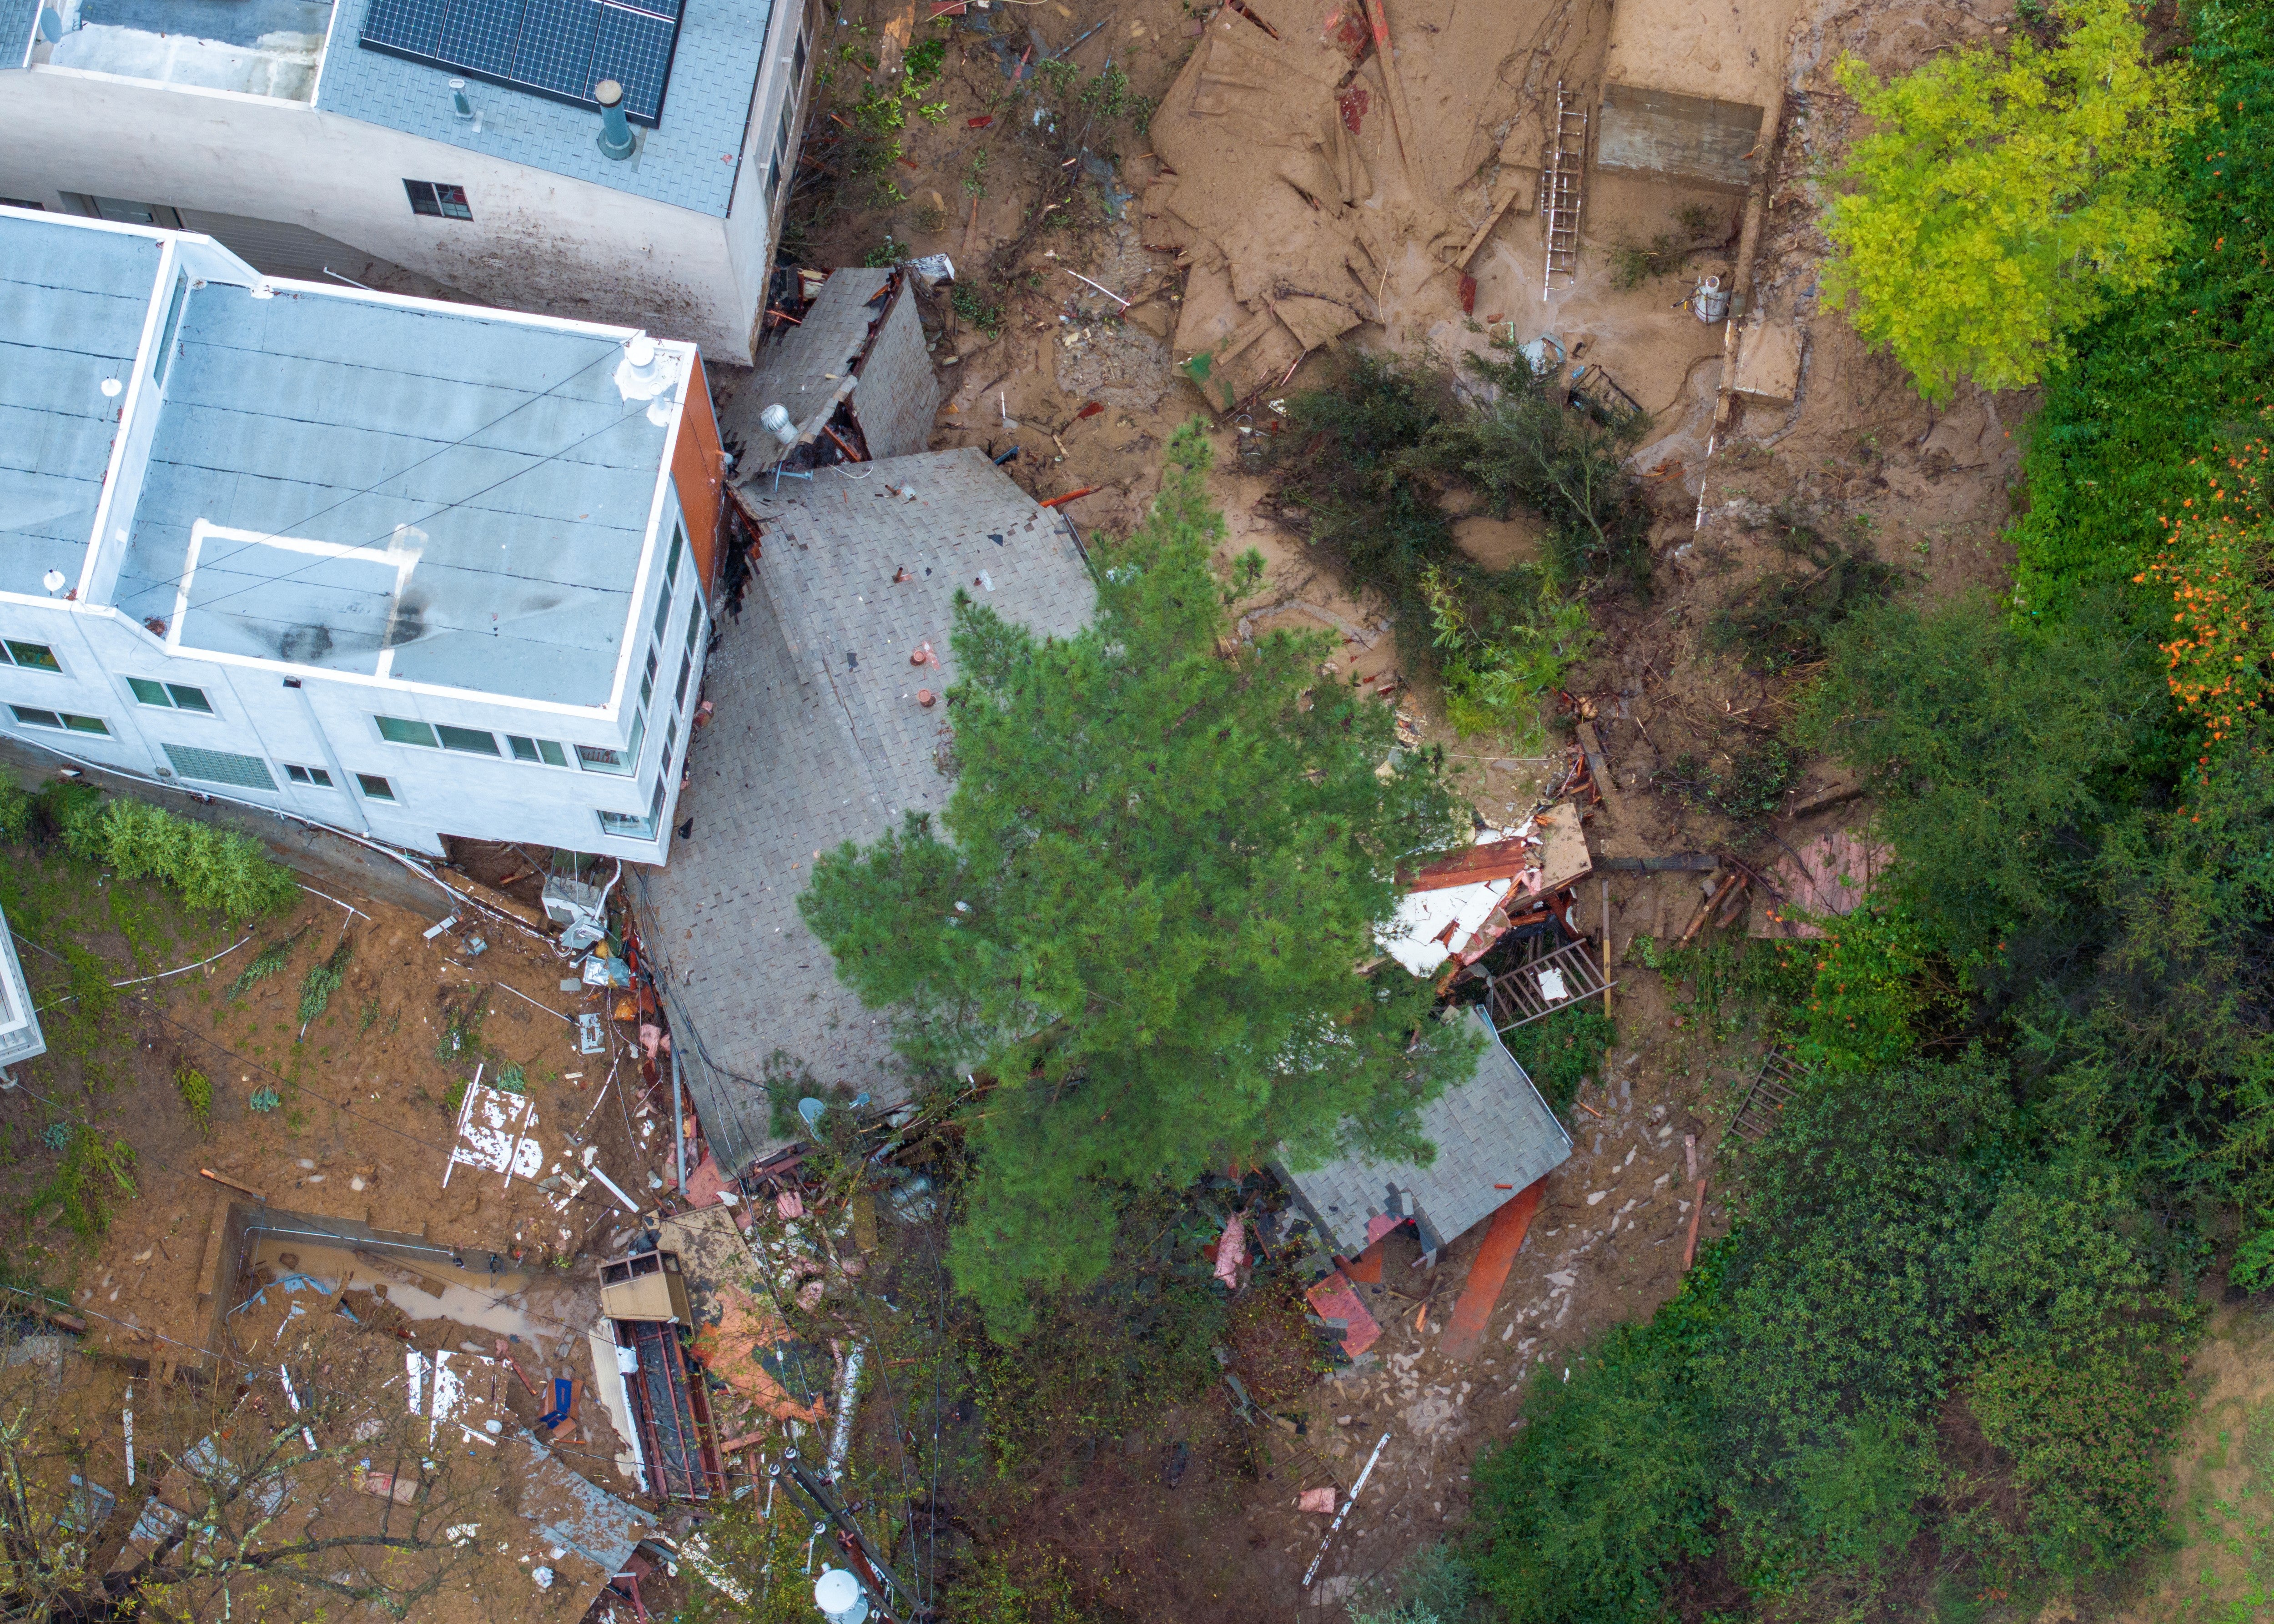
(615, 129)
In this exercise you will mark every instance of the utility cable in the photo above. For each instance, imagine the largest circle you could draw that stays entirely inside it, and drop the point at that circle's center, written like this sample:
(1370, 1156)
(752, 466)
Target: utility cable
(396, 474)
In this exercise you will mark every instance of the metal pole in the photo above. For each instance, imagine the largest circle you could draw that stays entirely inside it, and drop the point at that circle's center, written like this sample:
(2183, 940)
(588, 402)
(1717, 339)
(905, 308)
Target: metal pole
(1336, 1526)
(824, 1502)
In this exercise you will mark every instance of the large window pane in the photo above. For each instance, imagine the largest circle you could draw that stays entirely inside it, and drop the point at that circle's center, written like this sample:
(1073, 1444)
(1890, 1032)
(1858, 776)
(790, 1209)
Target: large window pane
(472, 740)
(400, 730)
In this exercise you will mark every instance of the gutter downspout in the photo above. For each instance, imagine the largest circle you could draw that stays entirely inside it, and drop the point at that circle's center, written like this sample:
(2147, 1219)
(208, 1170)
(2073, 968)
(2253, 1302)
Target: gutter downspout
(331, 760)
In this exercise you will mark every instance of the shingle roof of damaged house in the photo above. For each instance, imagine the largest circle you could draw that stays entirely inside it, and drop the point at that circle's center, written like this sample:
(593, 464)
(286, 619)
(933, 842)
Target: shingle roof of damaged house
(820, 738)
(1493, 1134)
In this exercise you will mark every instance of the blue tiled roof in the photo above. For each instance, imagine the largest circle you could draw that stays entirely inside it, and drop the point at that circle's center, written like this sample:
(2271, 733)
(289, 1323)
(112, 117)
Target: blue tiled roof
(501, 454)
(689, 160)
(73, 303)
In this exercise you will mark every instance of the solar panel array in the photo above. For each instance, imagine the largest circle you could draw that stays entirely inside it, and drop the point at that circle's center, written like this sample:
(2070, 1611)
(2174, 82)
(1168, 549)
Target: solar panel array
(558, 49)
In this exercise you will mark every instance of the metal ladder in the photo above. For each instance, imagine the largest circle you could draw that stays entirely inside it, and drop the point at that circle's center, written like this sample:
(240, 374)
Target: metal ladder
(1559, 194)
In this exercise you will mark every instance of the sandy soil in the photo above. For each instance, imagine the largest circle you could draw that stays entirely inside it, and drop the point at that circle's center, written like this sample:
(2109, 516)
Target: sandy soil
(366, 1123)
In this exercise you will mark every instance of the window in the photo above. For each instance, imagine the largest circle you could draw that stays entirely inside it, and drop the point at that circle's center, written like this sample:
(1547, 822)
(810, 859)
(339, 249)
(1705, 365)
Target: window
(625, 825)
(473, 740)
(438, 198)
(694, 623)
(537, 751)
(169, 695)
(670, 742)
(396, 730)
(62, 720)
(32, 656)
(671, 564)
(173, 324)
(374, 787)
(316, 776)
(647, 679)
(125, 212)
(601, 758)
(220, 767)
(662, 610)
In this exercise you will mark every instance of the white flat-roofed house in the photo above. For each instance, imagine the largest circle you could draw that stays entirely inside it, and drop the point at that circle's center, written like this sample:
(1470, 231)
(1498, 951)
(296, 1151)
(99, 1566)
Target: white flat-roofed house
(403, 567)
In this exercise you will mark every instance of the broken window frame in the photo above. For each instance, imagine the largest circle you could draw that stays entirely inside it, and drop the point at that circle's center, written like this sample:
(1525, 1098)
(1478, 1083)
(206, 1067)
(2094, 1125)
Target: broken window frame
(630, 826)
(618, 763)
(438, 199)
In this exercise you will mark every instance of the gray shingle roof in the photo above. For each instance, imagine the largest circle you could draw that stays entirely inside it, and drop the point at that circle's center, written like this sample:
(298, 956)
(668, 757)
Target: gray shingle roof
(801, 367)
(818, 738)
(1494, 1130)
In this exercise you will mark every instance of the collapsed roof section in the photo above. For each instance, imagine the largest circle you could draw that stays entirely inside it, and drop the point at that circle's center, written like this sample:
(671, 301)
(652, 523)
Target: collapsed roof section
(849, 366)
(823, 733)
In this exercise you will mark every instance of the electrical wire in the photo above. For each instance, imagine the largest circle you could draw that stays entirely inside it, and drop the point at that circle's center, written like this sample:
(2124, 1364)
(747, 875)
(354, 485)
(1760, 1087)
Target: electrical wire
(396, 474)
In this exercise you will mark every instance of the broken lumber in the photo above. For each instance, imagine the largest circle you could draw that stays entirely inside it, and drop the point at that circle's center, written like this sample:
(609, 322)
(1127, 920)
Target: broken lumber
(1401, 116)
(233, 1184)
(1825, 802)
(1672, 862)
(1720, 893)
(1696, 1216)
(1461, 264)
(1592, 743)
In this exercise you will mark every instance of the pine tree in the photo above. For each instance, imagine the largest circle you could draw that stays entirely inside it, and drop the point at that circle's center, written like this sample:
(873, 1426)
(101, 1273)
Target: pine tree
(1141, 923)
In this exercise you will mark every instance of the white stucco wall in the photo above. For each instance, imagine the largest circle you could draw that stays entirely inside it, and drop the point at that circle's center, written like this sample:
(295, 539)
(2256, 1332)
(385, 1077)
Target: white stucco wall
(329, 723)
(537, 242)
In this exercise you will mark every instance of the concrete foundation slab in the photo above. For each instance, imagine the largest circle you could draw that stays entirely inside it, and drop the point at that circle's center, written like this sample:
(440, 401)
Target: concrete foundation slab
(1768, 364)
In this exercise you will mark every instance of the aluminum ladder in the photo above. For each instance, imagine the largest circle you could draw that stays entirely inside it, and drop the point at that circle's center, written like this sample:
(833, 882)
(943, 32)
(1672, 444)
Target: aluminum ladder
(1559, 194)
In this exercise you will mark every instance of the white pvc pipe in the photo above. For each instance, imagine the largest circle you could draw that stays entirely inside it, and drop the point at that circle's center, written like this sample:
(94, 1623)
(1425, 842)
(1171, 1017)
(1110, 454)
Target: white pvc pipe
(840, 1441)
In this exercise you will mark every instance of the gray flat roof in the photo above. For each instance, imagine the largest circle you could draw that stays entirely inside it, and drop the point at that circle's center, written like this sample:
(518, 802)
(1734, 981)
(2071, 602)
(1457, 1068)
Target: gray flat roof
(1493, 1130)
(691, 159)
(73, 304)
(491, 467)
(818, 739)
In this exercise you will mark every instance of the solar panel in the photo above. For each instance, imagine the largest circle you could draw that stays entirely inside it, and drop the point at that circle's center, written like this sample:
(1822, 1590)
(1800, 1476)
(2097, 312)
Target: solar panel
(560, 49)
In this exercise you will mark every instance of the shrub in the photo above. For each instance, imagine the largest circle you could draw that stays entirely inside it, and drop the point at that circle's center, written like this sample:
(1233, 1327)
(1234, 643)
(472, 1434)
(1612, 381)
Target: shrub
(265, 1099)
(323, 981)
(215, 871)
(1559, 1055)
(265, 964)
(1608, 1488)
(1525, 447)
(197, 1092)
(95, 1167)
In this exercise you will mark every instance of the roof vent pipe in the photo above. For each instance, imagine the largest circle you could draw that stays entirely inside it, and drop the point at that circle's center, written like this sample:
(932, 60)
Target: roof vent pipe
(615, 129)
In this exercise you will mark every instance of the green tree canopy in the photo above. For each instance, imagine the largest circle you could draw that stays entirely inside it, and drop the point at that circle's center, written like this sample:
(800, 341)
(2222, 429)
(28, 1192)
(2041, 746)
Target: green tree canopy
(1160, 865)
(2003, 196)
